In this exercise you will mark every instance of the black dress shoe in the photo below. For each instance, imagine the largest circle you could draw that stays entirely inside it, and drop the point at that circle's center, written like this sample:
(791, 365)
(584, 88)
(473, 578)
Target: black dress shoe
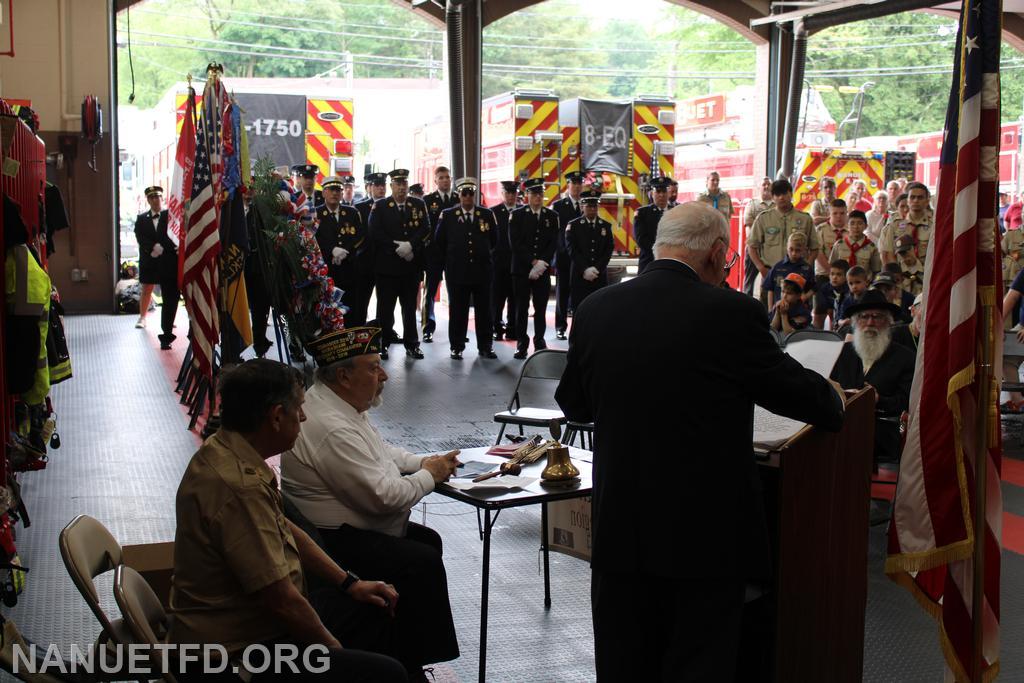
(488, 353)
(540, 345)
(414, 353)
(498, 335)
(165, 346)
(456, 355)
(383, 354)
(560, 334)
(520, 354)
(428, 337)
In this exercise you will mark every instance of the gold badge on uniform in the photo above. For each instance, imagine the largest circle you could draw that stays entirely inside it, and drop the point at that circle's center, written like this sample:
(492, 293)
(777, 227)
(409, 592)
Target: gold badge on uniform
(391, 205)
(484, 227)
(604, 232)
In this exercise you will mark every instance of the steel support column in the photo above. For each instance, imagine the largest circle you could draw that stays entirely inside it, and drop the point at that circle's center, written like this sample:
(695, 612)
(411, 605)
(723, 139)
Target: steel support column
(464, 36)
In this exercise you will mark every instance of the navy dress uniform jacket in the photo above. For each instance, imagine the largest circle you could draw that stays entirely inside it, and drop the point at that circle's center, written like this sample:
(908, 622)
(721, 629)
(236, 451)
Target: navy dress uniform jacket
(465, 243)
(532, 238)
(686, 477)
(347, 232)
(163, 268)
(645, 230)
(388, 224)
(589, 245)
(502, 255)
(567, 213)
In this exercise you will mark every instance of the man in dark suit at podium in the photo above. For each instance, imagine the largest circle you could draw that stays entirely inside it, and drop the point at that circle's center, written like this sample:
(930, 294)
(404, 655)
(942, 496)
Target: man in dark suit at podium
(683, 482)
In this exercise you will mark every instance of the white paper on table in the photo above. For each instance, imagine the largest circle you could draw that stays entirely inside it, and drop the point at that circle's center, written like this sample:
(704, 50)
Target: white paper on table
(505, 481)
(770, 430)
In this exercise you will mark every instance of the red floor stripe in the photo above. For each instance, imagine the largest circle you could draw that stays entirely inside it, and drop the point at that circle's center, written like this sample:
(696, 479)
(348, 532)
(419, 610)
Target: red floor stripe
(1013, 532)
(1013, 471)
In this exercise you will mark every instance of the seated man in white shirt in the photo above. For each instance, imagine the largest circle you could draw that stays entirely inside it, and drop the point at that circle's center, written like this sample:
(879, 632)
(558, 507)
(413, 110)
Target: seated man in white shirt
(359, 491)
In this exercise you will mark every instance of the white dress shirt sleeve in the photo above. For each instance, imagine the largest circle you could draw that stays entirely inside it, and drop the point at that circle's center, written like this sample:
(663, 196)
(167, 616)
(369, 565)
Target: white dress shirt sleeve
(408, 463)
(351, 469)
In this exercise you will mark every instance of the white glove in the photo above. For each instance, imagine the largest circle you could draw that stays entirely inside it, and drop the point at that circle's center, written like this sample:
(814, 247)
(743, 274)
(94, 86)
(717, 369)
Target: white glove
(590, 274)
(158, 249)
(536, 271)
(338, 255)
(403, 249)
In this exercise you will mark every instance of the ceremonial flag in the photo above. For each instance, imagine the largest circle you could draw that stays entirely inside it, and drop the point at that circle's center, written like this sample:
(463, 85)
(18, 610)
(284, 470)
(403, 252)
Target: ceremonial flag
(181, 183)
(202, 240)
(234, 237)
(933, 535)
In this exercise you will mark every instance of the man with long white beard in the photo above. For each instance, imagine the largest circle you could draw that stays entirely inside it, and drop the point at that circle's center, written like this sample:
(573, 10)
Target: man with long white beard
(358, 491)
(872, 358)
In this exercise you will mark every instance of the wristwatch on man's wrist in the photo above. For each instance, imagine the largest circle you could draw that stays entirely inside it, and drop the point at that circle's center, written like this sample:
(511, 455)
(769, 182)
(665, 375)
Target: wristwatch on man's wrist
(350, 579)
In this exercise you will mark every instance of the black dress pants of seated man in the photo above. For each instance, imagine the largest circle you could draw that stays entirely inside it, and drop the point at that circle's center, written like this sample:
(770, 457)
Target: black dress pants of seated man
(365, 632)
(425, 629)
(690, 632)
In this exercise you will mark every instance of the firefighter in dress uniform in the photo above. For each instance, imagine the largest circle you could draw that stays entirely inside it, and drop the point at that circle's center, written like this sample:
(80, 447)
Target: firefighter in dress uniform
(588, 239)
(437, 201)
(568, 209)
(645, 222)
(400, 230)
(376, 188)
(416, 190)
(304, 192)
(466, 235)
(342, 240)
(533, 235)
(501, 288)
(158, 262)
(348, 190)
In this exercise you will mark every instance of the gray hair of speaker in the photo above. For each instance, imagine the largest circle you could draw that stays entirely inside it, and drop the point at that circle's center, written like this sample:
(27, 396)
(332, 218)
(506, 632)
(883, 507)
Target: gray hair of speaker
(885, 314)
(328, 373)
(694, 226)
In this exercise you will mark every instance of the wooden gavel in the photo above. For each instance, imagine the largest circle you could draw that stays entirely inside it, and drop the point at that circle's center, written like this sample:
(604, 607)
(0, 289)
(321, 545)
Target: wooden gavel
(512, 468)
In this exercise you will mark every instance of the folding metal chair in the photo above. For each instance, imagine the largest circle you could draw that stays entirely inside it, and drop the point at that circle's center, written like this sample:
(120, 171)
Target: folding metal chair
(544, 365)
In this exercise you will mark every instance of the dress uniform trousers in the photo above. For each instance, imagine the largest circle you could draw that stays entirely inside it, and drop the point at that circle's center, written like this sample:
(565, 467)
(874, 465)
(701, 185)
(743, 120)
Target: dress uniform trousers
(259, 304)
(502, 291)
(413, 563)
(581, 288)
(539, 291)
(563, 291)
(459, 296)
(403, 289)
(433, 282)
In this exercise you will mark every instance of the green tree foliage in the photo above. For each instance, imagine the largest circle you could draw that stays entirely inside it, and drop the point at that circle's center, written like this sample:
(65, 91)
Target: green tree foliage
(573, 47)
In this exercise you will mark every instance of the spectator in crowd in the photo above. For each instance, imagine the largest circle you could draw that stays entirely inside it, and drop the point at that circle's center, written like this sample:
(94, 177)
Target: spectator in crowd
(902, 208)
(1011, 364)
(358, 491)
(1012, 217)
(771, 230)
(911, 268)
(754, 208)
(822, 206)
(872, 358)
(673, 192)
(855, 248)
(878, 216)
(892, 188)
(790, 313)
(240, 565)
(829, 234)
(903, 183)
(1012, 245)
(901, 297)
(919, 223)
(889, 283)
(859, 198)
(717, 197)
(793, 262)
(909, 335)
(857, 282)
(830, 295)
(1004, 204)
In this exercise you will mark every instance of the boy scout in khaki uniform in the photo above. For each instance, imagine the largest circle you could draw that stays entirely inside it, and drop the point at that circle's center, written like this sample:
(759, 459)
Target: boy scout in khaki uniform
(855, 248)
(910, 265)
(1012, 246)
(918, 224)
(771, 230)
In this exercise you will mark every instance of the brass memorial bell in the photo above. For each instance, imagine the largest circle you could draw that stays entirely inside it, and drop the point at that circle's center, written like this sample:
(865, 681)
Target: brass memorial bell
(559, 471)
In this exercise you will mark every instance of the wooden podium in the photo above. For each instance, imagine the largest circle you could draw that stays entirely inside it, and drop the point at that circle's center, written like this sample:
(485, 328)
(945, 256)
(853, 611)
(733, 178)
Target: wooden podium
(816, 491)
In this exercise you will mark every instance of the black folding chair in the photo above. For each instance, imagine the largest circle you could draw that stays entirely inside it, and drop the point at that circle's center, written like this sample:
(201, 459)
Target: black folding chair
(544, 365)
(812, 333)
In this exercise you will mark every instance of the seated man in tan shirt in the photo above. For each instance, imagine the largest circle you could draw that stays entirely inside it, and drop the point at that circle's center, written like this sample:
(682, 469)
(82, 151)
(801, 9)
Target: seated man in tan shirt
(239, 563)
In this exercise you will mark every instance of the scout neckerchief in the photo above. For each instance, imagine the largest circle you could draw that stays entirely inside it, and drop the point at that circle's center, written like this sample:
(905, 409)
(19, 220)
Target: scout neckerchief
(854, 248)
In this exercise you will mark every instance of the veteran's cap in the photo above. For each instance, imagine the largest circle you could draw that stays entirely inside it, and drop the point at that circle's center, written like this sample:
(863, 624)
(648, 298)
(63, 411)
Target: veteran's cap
(343, 344)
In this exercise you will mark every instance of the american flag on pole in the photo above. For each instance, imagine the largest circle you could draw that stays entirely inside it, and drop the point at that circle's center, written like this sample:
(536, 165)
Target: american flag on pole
(202, 242)
(933, 533)
(181, 184)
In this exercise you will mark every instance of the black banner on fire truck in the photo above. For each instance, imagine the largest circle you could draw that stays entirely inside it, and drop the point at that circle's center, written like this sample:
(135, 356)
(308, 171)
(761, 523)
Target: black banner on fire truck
(604, 136)
(276, 125)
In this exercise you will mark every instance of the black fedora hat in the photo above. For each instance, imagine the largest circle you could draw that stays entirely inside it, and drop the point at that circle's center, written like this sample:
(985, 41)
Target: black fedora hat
(873, 300)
